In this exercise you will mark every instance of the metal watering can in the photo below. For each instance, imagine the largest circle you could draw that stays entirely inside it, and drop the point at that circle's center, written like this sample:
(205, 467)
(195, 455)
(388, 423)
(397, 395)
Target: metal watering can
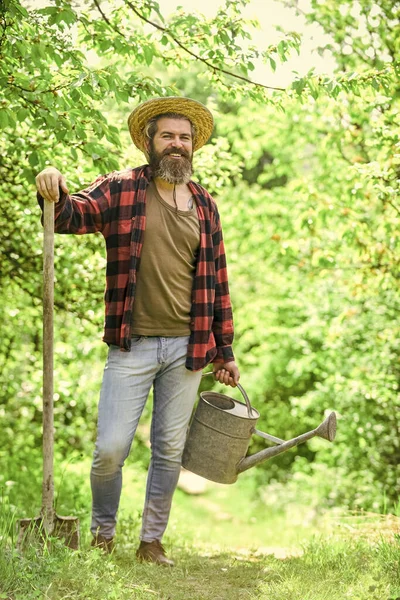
(220, 434)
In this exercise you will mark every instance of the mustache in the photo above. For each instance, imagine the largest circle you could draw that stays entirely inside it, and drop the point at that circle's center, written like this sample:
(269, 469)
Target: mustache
(176, 151)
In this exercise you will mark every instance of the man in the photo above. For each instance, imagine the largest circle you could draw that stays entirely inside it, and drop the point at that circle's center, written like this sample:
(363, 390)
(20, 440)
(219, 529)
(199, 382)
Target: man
(166, 320)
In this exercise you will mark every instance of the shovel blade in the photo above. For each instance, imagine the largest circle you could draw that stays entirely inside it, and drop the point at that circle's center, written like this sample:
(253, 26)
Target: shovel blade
(32, 532)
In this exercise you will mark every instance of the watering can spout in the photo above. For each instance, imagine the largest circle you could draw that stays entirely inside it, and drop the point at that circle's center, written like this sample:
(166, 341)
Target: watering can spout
(326, 430)
(220, 434)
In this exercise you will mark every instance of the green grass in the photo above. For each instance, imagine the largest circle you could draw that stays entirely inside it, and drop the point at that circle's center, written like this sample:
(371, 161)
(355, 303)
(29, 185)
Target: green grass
(227, 545)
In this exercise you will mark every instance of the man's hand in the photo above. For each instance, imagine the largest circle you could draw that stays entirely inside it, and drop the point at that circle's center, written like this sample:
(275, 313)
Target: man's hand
(227, 373)
(48, 182)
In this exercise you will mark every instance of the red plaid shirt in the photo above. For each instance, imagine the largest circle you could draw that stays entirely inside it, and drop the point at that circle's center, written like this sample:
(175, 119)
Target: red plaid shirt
(115, 205)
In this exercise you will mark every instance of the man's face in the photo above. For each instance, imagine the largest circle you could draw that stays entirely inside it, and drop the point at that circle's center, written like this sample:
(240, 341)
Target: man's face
(171, 150)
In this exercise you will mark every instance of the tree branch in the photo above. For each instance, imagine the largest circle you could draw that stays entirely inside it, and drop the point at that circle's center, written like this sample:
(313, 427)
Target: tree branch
(35, 90)
(106, 19)
(196, 56)
(184, 48)
(392, 204)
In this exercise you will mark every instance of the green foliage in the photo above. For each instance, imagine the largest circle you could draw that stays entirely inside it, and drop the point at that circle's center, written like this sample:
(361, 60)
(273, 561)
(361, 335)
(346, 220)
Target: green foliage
(313, 247)
(315, 266)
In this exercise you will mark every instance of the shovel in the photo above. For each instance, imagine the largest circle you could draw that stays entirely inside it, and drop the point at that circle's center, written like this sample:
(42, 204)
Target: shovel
(48, 524)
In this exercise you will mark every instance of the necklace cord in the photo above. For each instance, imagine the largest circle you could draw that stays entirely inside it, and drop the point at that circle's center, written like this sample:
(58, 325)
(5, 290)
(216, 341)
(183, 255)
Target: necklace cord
(174, 197)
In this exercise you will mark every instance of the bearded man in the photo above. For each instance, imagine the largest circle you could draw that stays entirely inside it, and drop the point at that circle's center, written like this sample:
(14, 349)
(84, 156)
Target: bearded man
(167, 307)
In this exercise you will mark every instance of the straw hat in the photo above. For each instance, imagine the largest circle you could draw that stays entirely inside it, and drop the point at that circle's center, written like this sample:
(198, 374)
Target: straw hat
(196, 112)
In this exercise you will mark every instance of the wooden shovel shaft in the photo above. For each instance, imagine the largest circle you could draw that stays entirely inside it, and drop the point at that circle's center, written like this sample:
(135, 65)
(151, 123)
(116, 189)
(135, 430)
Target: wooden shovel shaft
(48, 524)
(48, 362)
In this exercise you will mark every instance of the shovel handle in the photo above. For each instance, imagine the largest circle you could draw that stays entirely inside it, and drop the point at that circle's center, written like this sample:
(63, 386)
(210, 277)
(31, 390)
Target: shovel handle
(48, 359)
(245, 396)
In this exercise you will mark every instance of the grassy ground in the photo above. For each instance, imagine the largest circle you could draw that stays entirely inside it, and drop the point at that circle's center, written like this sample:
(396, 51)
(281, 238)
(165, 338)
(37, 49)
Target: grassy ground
(227, 546)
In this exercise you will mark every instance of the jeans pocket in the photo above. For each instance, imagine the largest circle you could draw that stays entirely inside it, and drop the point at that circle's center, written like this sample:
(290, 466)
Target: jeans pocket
(137, 339)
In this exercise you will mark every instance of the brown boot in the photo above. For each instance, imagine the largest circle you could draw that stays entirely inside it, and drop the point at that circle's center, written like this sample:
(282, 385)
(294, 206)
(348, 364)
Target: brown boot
(99, 541)
(153, 552)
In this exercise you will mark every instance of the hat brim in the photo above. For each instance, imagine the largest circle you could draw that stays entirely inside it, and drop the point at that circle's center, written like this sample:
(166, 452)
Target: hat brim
(194, 111)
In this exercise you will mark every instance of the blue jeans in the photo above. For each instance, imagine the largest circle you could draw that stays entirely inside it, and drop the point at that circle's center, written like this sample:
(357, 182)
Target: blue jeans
(128, 377)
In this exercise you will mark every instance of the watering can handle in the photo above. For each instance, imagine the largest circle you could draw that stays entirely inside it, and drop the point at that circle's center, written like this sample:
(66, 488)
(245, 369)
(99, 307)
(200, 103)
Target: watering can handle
(245, 396)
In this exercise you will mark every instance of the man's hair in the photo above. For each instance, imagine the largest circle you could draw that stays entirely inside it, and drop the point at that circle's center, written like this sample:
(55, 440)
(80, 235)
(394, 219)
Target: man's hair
(151, 125)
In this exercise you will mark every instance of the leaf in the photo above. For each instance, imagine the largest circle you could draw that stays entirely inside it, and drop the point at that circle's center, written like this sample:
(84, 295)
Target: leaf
(22, 114)
(28, 175)
(33, 159)
(75, 95)
(87, 89)
(156, 8)
(59, 60)
(313, 87)
(66, 16)
(48, 10)
(3, 119)
(148, 54)
(298, 85)
(375, 83)
(282, 49)
(225, 38)
(121, 95)
(60, 134)
(10, 117)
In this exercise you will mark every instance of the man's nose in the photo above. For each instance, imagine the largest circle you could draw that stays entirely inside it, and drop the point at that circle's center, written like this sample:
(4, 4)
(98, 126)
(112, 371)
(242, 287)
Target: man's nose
(177, 142)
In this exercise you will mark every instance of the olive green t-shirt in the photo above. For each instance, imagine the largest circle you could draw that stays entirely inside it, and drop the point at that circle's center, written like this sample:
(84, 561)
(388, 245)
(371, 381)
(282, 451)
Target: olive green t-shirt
(167, 265)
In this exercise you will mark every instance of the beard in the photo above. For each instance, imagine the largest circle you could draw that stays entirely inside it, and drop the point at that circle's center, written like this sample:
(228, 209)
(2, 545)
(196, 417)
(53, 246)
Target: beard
(173, 170)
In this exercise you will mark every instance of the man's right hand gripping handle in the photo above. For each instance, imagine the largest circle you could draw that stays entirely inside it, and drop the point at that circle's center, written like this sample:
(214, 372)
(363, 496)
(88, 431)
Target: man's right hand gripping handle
(48, 183)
